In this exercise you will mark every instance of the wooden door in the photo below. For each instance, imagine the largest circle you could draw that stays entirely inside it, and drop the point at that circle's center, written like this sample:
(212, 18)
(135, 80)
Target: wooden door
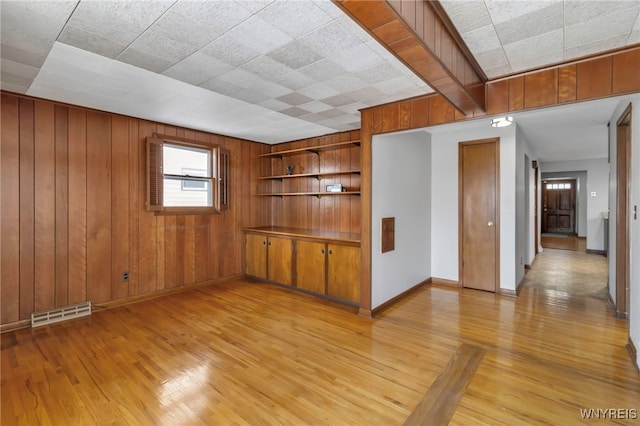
(311, 266)
(256, 255)
(279, 257)
(623, 253)
(479, 247)
(343, 272)
(559, 206)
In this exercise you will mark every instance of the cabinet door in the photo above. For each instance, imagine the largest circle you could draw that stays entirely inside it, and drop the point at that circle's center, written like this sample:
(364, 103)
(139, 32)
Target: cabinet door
(343, 265)
(256, 255)
(279, 258)
(310, 266)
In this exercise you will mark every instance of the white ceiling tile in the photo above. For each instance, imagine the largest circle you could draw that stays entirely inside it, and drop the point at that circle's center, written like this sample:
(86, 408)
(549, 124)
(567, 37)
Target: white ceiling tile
(295, 55)
(19, 69)
(492, 58)
(295, 18)
(357, 58)
(315, 106)
(338, 100)
(576, 12)
(353, 108)
(294, 80)
(366, 94)
(217, 16)
(266, 68)
(467, 15)
(380, 72)
(254, 6)
(23, 56)
(499, 71)
(501, 11)
(197, 69)
(531, 24)
(185, 30)
(143, 60)
(330, 39)
(601, 28)
(394, 86)
(346, 83)
(274, 105)
(251, 96)
(597, 46)
(294, 111)
(318, 91)
(120, 21)
(241, 78)
(353, 28)
(271, 89)
(14, 87)
(86, 40)
(221, 87)
(259, 35)
(229, 50)
(525, 54)
(162, 47)
(322, 70)
(294, 99)
(329, 8)
(482, 39)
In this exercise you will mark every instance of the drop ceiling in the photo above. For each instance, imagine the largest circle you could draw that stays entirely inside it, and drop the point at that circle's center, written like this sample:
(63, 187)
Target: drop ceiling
(506, 37)
(268, 70)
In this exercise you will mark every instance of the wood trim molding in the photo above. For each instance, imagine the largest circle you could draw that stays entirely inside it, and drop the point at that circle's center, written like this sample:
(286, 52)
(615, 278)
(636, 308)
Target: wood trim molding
(397, 299)
(508, 292)
(17, 325)
(445, 283)
(611, 304)
(418, 36)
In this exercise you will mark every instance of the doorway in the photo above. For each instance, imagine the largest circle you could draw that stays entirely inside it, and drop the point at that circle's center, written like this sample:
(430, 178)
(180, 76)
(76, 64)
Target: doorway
(623, 183)
(559, 207)
(479, 235)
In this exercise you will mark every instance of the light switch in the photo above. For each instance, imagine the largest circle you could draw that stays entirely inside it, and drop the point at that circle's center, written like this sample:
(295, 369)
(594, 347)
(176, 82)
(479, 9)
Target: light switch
(593, 194)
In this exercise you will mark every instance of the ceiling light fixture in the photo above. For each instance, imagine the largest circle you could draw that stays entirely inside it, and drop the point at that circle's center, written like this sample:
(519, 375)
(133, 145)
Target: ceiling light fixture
(501, 121)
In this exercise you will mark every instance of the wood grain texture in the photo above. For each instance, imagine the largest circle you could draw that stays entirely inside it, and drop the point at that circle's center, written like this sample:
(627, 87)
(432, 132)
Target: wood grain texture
(99, 228)
(441, 400)
(541, 89)
(311, 266)
(567, 83)
(77, 220)
(594, 78)
(10, 212)
(516, 93)
(626, 78)
(220, 354)
(27, 207)
(62, 205)
(45, 206)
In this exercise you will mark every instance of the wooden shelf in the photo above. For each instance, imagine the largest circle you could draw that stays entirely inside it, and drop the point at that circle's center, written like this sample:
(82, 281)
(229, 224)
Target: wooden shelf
(315, 194)
(315, 175)
(312, 149)
(306, 233)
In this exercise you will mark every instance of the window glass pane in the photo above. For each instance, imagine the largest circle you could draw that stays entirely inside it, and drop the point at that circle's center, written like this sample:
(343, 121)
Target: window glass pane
(180, 160)
(187, 193)
(567, 186)
(549, 186)
(554, 186)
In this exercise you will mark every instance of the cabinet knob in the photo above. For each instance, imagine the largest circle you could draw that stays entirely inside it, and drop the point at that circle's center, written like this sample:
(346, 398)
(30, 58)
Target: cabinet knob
(330, 251)
(322, 251)
(264, 242)
(269, 242)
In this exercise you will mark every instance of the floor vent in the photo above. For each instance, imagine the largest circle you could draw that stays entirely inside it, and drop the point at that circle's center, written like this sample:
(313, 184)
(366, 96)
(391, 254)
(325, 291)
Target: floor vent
(60, 314)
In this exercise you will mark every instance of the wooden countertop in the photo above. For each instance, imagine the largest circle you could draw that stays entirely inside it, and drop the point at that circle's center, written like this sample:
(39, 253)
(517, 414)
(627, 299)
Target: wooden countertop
(306, 233)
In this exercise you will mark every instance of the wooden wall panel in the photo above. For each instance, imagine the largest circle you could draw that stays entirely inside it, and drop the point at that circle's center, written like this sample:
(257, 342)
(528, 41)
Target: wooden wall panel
(10, 211)
(98, 207)
(626, 72)
(62, 205)
(45, 205)
(77, 205)
(567, 90)
(594, 78)
(516, 93)
(119, 206)
(541, 88)
(73, 213)
(440, 110)
(419, 113)
(27, 208)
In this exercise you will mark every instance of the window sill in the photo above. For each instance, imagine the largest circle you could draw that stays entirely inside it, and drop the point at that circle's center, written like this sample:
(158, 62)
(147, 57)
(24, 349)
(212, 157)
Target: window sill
(179, 211)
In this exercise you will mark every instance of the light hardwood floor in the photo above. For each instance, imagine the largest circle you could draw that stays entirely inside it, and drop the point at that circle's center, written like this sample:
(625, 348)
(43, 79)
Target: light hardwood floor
(249, 353)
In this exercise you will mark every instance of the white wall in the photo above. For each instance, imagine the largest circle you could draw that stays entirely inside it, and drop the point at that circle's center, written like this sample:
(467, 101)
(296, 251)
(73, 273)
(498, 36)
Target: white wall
(598, 182)
(444, 200)
(634, 311)
(525, 205)
(401, 188)
(582, 201)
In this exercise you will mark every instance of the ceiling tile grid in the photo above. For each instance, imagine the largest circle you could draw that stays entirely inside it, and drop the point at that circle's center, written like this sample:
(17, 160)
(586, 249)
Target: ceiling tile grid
(507, 37)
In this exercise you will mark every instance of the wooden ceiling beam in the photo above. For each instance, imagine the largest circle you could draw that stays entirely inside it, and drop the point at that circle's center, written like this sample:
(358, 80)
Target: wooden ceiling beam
(420, 34)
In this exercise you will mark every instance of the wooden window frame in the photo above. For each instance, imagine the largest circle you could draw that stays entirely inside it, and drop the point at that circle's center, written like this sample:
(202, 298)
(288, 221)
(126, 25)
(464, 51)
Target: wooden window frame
(220, 173)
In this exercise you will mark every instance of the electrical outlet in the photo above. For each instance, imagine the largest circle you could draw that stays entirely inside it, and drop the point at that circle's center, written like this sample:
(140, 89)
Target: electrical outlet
(125, 276)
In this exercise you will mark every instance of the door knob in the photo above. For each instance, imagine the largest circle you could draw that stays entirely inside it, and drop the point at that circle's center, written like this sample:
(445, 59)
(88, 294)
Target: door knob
(489, 224)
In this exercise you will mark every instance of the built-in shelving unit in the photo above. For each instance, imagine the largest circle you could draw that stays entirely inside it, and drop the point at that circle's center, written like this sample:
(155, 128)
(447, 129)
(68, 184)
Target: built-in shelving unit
(320, 174)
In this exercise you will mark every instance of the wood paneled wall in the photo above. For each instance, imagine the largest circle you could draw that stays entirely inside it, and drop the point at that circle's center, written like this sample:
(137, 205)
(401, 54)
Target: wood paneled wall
(335, 213)
(599, 77)
(73, 215)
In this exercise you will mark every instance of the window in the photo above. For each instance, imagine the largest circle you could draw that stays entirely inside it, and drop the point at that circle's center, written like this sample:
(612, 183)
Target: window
(559, 186)
(186, 176)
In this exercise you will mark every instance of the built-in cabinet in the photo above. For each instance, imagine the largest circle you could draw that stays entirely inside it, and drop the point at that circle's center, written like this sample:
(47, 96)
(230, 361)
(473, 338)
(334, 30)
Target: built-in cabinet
(320, 262)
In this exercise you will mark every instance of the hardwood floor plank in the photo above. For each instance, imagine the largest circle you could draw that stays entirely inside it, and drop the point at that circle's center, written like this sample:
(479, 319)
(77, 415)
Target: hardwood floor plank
(243, 352)
(440, 402)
